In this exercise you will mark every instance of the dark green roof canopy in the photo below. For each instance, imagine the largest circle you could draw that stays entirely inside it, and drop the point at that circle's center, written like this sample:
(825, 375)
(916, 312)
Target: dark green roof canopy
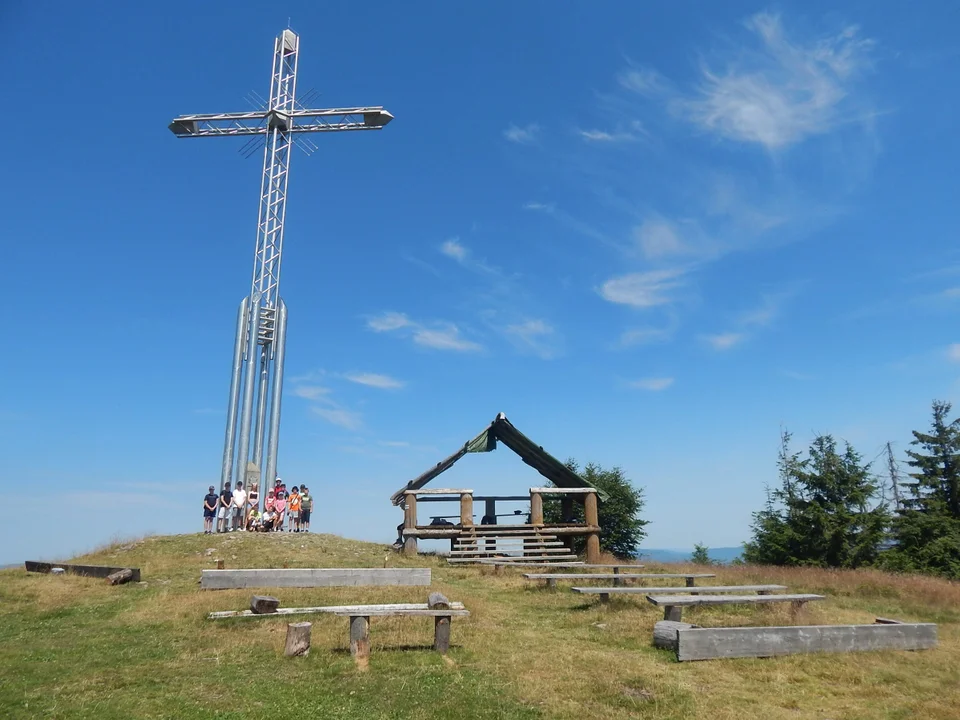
(503, 430)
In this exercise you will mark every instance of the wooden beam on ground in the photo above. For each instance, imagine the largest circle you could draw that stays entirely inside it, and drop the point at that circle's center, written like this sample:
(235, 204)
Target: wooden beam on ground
(94, 571)
(329, 609)
(312, 577)
(675, 590)
(120, 577)
(263, 604)
(712, 643)
(665, 634)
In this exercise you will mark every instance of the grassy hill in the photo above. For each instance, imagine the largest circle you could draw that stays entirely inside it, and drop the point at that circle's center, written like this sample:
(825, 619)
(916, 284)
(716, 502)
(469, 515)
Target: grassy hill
(73, 647)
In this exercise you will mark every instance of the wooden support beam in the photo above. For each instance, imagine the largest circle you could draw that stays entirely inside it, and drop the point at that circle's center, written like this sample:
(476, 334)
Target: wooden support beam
(466, 509)
(536, 508)
(360, 637)
(441, 634)
(298, 640)
(563, 491)
(312, 577)
(437, 491)
(591, 517)
(665, 633)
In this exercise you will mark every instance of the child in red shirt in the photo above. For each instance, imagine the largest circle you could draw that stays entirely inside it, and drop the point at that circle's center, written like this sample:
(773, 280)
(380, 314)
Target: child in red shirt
(280, 503)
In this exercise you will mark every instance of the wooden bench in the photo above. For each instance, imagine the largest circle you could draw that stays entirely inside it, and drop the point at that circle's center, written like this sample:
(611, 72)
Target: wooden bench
(312, 577)
(606, 592)
(617, 577)
(511, 560)
(673, 604)
(438, 607)
(693, 643)
(328, 609)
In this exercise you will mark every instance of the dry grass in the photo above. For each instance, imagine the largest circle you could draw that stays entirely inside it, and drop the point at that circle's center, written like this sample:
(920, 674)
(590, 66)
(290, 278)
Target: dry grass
(75, 647)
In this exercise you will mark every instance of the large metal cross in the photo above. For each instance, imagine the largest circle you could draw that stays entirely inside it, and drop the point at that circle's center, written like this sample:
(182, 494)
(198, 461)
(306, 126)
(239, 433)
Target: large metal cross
(256, 380)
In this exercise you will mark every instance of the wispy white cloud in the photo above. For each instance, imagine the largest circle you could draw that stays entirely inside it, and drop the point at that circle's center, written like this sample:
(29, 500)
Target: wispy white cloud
(384, 382)
(783, 92)
(444, 336)
(621, 135)
(310, 392)
(724, 341)
(765, 313)
(453, 249)
(953, 352)
(644, 289)
(645, 336)
(339, 416)
(388, 321)
(522, 135)
(534, 336)
(653, 384)
(643, 80)
(540, 207)
(394, 443)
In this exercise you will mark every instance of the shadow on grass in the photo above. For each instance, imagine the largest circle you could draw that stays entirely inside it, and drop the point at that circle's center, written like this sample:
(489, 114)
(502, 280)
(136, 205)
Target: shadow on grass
(396, 648)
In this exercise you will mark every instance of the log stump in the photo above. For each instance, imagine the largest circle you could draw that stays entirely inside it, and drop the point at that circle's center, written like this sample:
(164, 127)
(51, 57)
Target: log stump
(298, 640)
(360, 640)
(120, 577)
(263, 604)
(441, 634)
(665, 633)
(438, 601)
(219, 564)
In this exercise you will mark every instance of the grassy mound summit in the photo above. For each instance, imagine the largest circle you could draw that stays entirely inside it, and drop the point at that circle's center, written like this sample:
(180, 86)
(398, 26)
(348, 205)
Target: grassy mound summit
(73, 647)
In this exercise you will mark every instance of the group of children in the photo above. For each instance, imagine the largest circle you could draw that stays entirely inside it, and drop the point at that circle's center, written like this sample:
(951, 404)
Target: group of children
(240, 510)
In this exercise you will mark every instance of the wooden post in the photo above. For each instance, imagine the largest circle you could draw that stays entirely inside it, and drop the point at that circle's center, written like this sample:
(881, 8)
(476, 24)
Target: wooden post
(120, 577)
(490, 510)
(590, 515)
(409, 523)
(617, 582)
(566, 508)
(536, 508)
(219, 564)
(298, 640)
(691, 583)
(441, 634)
(551, 582)
(466, 509)
(360, 637)
(604, 598)
(672, 613)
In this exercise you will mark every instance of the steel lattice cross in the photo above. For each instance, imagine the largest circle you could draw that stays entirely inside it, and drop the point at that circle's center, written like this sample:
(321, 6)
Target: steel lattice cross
(258, 355)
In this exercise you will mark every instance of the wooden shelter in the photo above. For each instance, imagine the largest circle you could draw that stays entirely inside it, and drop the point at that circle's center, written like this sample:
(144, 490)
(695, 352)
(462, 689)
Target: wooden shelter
(566, 483)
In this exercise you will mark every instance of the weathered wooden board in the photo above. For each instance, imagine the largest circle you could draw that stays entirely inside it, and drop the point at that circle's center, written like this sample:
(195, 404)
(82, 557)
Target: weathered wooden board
(95, 571)
(712, 643)
(618, 576)
(510, 560)
(677, 600)
(312, 577)
(578, 564)
(542, 549)
(361, 611)
(331, 609)
(674, 590)
(665, 633)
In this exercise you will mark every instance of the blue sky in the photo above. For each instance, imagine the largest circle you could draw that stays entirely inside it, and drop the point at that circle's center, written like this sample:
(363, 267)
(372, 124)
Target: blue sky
(652, 234)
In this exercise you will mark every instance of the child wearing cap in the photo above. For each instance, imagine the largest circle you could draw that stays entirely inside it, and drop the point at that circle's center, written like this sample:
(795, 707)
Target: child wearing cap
(209, 509)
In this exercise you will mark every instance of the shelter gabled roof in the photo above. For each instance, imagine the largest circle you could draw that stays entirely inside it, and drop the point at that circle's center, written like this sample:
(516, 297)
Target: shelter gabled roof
(532, 454)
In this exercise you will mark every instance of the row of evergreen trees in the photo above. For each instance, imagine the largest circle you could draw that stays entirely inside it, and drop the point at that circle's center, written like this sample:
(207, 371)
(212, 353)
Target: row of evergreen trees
(832, 510)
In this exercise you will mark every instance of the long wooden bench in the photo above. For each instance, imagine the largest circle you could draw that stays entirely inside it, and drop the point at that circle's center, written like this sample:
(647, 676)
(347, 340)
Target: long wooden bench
(510, 560)
(329, 609)
(606, 592)
(693, 643)
(94, 571)
(438, 607)
(617, 577)
(673, 604)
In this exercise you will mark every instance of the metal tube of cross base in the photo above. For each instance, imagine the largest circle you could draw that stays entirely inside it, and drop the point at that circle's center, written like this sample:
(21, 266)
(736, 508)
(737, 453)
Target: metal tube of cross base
(261, 417)
(246, 409)
(230, 436)
(273, 437)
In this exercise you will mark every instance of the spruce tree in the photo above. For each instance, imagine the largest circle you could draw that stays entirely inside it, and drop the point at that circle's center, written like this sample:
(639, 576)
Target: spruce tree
(824, 513)
(926, 529)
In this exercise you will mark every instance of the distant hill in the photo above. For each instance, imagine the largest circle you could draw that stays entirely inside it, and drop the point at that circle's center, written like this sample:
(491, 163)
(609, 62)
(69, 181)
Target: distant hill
(720, 554)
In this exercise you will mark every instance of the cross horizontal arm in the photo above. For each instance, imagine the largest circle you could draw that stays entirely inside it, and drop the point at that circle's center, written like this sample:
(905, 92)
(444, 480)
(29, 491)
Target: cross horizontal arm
(298, 121)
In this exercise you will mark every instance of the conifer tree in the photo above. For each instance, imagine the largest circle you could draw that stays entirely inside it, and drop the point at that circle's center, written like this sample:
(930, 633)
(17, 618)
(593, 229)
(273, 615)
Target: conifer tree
(926, 529)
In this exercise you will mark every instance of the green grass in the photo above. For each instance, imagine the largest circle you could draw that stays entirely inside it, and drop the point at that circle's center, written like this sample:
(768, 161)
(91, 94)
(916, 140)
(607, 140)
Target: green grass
(75, 647)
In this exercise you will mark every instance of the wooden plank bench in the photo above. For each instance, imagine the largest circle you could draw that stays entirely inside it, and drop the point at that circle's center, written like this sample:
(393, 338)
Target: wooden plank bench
(312, 577)
(510, 560)
(617, 577)
(438, 607)
(331, 609)
(673, 604)
(692, 643)
(606, 592)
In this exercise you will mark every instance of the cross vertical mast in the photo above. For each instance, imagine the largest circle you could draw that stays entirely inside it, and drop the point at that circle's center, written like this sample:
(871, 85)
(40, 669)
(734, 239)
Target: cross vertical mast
(256, 382)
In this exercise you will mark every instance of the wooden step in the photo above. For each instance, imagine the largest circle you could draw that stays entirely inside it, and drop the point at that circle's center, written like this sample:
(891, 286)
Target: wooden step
(546, 559)
(511, 551)
(524, 544)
